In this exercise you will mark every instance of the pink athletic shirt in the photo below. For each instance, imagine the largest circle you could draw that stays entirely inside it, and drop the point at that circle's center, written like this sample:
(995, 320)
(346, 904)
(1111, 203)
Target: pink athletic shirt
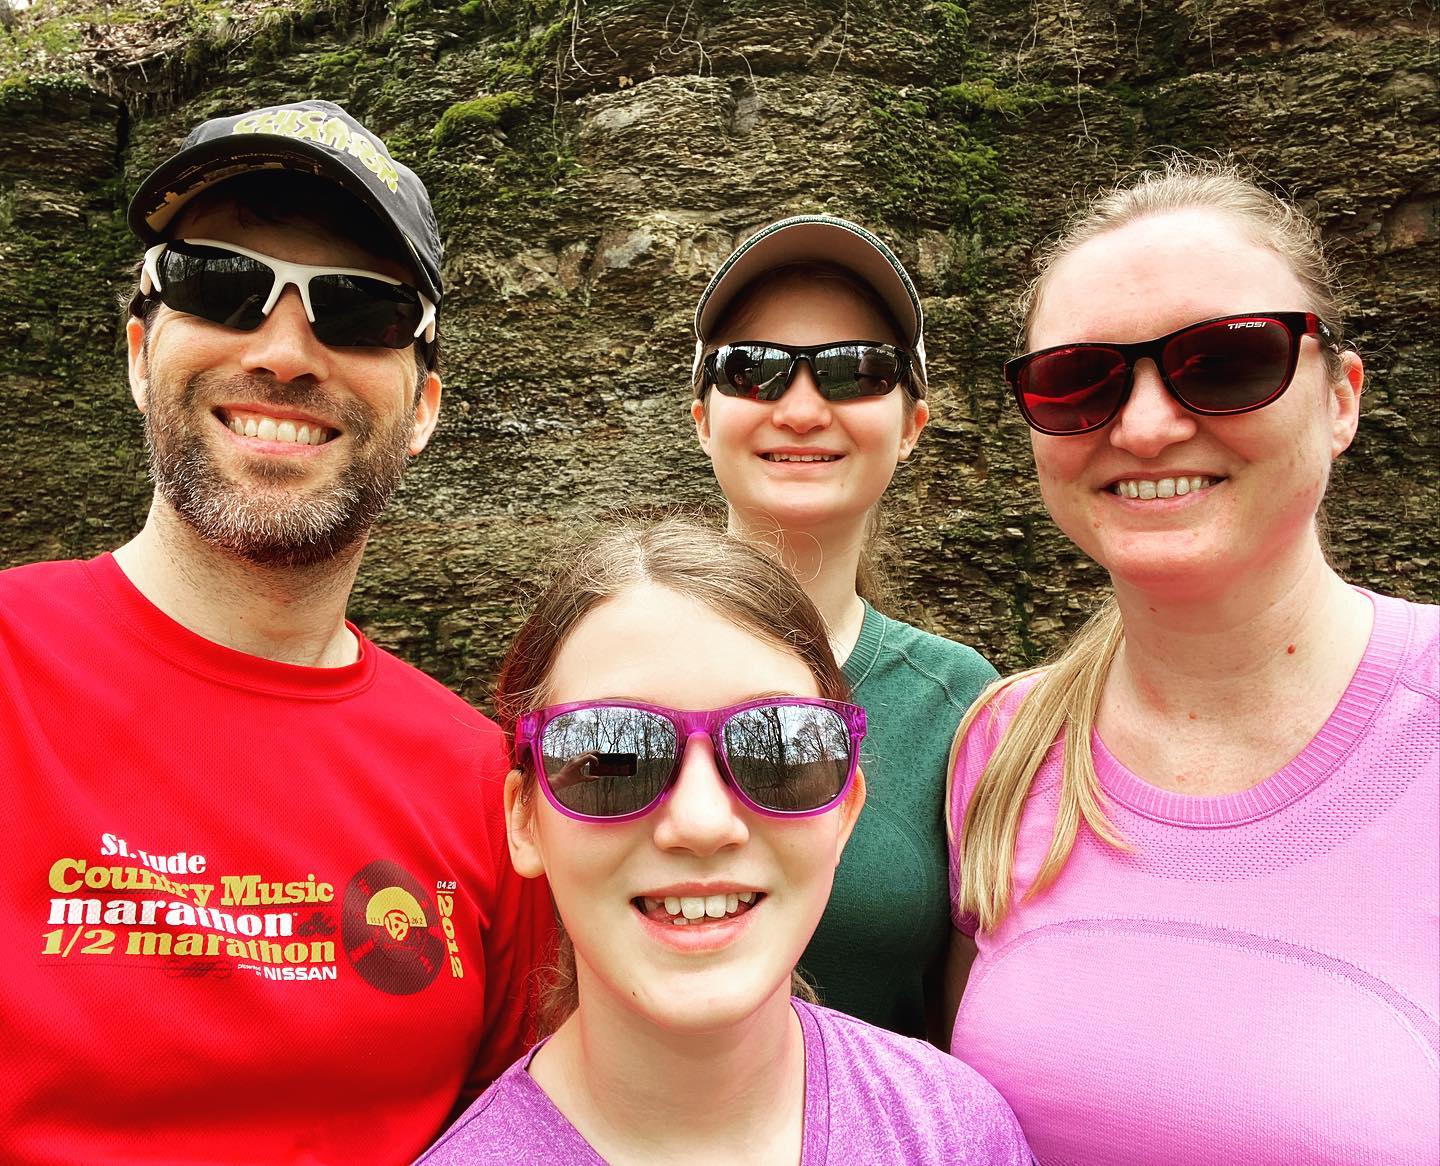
(1258, 980)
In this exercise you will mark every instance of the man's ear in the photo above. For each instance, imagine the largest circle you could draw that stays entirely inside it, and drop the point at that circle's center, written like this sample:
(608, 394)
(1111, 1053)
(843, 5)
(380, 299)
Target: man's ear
(427, 413)
(850, 813)
(137, 363)
(525, 854)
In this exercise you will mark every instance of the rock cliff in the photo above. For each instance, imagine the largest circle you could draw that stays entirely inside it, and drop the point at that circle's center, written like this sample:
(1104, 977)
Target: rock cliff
(591, 162)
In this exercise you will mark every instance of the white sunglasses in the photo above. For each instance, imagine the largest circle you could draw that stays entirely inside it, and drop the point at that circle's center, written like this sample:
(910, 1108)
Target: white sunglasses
(238, 288)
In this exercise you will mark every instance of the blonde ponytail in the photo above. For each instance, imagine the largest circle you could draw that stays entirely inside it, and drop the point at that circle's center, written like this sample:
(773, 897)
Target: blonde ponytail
(1062, 704)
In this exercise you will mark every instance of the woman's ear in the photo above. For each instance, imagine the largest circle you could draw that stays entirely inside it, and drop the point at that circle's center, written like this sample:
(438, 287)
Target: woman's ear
(525, 854)
(702, 423)
(850, 812)
(1346, 396)
(918, 415)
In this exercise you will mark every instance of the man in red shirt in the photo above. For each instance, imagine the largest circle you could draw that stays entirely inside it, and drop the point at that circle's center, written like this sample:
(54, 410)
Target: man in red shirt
(259, 906)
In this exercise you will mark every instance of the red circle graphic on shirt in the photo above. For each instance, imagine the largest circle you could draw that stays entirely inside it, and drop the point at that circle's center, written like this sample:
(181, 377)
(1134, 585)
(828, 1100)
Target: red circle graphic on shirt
(391, 929)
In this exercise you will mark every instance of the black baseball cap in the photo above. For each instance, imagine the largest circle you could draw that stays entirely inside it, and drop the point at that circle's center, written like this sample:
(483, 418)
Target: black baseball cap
(312, 137)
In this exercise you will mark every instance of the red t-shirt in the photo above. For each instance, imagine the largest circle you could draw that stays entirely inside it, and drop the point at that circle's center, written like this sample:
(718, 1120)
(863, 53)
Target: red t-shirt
(253, 912)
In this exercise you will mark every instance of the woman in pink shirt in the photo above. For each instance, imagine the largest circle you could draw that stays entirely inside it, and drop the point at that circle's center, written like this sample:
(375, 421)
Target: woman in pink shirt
(1194, 861)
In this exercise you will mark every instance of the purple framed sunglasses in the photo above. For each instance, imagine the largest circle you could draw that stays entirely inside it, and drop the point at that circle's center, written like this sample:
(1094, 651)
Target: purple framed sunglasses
(615, 760)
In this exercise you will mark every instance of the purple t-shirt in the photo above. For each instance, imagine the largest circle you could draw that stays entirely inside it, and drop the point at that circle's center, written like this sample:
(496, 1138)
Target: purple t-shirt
(871, 1098)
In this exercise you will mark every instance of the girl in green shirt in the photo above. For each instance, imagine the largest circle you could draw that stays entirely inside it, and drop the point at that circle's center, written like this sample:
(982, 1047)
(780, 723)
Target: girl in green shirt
(809, 390)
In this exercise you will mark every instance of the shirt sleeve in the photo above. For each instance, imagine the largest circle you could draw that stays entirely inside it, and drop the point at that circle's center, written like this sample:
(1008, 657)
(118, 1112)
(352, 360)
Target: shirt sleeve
(517, 944)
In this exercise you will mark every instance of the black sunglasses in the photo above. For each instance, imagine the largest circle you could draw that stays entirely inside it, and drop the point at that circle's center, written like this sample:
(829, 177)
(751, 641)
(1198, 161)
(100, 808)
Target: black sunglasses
(1216, 368)
(238, 288)
(761, 371)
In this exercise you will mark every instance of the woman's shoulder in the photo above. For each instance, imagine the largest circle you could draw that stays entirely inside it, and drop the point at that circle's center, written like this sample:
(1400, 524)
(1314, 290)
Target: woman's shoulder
(1414, 629)
(875, 1078)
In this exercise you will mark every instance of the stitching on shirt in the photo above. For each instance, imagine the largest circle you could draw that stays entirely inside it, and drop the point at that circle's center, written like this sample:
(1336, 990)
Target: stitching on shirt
(939, 682)
(1425, 1028)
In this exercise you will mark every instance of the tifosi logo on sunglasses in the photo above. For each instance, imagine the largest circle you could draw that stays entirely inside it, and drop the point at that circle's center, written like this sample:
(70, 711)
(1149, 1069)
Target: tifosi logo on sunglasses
(311, 125)
(1247, 324)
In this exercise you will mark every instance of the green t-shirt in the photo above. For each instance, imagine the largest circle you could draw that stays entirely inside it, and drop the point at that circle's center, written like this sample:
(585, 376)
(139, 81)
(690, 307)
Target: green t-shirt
(881, 943)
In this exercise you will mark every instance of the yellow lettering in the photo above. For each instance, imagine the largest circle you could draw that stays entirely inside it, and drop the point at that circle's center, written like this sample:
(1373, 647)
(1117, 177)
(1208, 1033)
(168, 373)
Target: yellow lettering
(336, 134)
(246, 125)
(60, 869)
(191, 943)
(308, 125)
(147, 943)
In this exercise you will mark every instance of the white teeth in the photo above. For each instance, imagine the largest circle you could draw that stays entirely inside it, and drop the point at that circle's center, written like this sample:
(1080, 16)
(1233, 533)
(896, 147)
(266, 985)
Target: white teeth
(269, 429)
(1148, 489)
(689, 908)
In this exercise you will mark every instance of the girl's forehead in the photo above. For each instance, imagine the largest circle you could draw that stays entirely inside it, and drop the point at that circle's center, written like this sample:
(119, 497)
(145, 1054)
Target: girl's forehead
(654, 644)
(826, 304)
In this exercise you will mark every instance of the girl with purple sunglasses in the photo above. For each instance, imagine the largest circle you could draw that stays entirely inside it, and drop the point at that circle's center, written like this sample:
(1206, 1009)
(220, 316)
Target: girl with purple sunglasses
(688, 808)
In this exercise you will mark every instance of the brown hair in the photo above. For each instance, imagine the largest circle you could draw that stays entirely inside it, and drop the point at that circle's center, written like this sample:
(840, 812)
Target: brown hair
(1065, 697)
(728, 575)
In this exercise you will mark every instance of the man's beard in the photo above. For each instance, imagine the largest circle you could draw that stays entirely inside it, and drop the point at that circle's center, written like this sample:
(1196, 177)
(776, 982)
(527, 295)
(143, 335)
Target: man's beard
(265, 520)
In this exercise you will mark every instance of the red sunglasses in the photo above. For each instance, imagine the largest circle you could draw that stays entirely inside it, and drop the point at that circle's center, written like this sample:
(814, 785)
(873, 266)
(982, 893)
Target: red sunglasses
(1219, 367)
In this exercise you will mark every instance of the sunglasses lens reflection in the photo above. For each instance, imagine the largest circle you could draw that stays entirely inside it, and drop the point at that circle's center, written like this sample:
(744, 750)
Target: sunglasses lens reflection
(1217, 367)
(1073, 389)
(606, 762)
(842, 372)
(354, 312)
(610, 761)
(1229, 365)
(789, 758)
(219, 286)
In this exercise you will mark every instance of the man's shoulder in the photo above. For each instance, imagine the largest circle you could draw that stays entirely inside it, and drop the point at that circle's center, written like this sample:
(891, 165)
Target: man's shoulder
(34, 590)
(425, 694)
(42, 577)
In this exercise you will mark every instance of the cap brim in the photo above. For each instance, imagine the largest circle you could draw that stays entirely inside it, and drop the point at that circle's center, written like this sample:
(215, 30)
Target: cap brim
(176, 181)
(814, 238)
